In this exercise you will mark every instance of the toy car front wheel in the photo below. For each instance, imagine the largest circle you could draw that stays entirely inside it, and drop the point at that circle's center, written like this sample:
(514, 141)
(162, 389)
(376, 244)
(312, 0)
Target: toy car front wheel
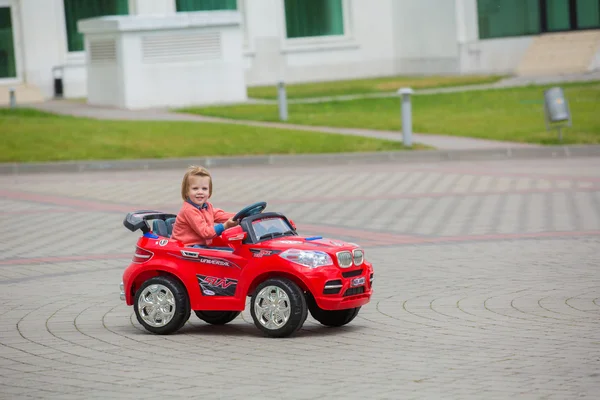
(278, 307)
(333, 318)
(162, 305)
(217, 317)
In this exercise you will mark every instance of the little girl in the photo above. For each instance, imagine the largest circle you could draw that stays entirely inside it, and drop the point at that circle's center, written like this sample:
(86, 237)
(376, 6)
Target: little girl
(195, 222)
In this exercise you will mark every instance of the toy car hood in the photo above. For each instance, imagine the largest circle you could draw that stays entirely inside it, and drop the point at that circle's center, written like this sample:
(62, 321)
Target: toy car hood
(308, 243)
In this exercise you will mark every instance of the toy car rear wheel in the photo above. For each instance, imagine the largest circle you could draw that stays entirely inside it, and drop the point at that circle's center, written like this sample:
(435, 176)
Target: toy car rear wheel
(217, 317)
(162, 305)
(278, 307)
(333, 318)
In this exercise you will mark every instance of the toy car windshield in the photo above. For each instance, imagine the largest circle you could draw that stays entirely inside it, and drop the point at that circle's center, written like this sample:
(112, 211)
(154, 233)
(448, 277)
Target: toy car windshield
(269, 228)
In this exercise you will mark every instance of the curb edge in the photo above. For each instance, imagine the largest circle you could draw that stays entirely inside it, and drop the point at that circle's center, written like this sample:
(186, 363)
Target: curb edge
(507, 153)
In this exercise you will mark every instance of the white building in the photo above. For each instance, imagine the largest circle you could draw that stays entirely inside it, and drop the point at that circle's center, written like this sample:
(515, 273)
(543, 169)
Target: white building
(304, 40)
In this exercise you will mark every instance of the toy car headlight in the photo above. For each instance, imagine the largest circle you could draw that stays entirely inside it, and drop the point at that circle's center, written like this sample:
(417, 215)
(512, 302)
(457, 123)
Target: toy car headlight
(308, 258)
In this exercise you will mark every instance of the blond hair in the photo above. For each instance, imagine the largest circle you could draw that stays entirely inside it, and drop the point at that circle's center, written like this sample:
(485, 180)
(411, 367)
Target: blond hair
(194, 170)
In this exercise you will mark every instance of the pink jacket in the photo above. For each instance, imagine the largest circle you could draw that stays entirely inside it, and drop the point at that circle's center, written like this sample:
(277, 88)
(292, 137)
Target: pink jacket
(197, 226)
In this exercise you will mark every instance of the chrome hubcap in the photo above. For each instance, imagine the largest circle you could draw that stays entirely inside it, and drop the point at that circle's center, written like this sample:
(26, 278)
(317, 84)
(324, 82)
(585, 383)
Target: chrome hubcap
(272, 307)
(156, 305)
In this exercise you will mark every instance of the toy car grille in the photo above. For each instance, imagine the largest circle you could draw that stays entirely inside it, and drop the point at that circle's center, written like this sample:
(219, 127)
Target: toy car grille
(332, 287)
(344, 259)
(350, 274)
(354, 291)
(358, 257)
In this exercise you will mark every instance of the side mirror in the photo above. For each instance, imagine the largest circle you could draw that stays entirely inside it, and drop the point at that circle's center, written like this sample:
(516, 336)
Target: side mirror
(234, 234)
(292, 223)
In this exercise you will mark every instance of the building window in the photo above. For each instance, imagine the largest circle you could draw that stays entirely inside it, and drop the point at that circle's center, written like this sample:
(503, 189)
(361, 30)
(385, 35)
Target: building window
(307, 18)
(82, 9)
(502, 18)
(7, 50)
(205, 5)
(588, 14)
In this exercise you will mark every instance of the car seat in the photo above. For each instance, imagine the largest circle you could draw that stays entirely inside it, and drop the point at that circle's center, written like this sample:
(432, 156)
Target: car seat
(170, 222)
(163, 227)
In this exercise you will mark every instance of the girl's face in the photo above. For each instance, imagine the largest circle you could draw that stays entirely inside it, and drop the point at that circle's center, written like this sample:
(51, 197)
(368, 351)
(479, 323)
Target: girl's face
(198, 191)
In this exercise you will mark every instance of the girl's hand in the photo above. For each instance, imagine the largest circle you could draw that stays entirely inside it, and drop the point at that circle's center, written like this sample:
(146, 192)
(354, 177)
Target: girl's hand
(230, 223)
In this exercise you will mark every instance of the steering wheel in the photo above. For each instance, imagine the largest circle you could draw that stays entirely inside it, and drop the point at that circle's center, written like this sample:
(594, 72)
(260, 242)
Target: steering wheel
(252, 209)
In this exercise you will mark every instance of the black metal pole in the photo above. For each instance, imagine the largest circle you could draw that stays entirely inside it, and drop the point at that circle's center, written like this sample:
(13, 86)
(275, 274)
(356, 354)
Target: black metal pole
(58, 88)
(573, 15)
(543, 16)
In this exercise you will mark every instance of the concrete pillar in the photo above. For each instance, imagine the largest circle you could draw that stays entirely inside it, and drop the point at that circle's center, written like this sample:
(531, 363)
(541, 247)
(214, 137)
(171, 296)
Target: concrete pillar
(43, 44)
(176, 60)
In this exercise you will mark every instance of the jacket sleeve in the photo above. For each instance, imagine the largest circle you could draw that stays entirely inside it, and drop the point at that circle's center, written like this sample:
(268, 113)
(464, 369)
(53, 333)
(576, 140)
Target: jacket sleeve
(198, 223)
(221, 216)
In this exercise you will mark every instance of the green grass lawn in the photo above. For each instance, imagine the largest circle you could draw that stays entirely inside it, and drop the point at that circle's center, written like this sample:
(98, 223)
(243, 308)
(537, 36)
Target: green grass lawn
(512, 114)
(372, 85)
(33, 136)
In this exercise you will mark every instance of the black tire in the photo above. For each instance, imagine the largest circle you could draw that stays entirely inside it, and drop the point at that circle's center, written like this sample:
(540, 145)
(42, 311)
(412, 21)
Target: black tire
(293, 300)
(180, 309)
(185, 318)
(333, 318)
(217, 317)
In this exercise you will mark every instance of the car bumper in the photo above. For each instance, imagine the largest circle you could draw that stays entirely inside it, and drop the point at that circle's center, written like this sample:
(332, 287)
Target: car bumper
(342, 303)
(339, 289)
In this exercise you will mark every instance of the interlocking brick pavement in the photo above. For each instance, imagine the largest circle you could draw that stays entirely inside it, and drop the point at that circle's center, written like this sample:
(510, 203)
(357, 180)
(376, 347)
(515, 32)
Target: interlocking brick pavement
(486, 286)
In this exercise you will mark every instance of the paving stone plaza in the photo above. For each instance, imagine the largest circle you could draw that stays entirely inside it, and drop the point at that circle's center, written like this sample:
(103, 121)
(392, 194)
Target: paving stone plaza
(487, 286)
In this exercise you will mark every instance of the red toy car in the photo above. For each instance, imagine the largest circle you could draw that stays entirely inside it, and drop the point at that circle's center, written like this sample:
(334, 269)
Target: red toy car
(285, 275)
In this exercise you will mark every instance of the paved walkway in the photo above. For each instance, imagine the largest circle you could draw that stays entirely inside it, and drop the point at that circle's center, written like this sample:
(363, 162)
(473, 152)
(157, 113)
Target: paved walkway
(516, 81)
(486, 286)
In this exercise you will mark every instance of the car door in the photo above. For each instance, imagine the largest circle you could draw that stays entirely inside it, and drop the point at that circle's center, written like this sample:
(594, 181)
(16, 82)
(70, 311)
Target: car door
(218, 273)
